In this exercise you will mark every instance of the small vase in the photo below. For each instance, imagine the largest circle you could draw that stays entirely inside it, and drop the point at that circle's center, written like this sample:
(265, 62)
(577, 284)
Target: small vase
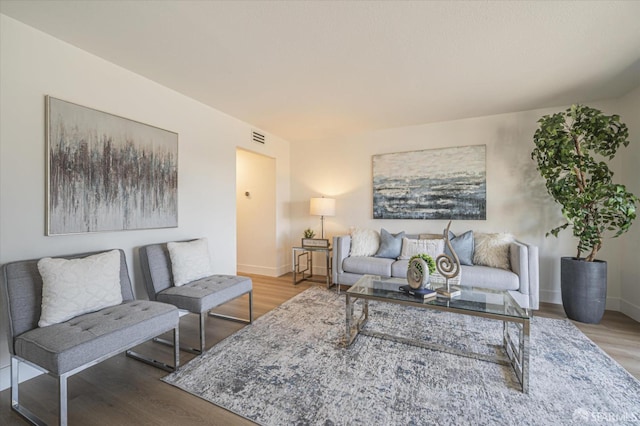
(418, 274)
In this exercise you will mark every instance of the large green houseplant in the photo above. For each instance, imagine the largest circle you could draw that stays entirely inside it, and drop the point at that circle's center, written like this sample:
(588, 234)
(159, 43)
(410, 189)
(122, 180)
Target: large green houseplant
(572, 150)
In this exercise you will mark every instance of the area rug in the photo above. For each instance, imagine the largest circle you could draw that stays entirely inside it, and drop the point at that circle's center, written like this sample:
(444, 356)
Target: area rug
(291, 367)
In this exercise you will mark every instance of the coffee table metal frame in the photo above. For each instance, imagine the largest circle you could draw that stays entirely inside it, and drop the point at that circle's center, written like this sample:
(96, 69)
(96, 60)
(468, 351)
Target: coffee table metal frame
(515, 318)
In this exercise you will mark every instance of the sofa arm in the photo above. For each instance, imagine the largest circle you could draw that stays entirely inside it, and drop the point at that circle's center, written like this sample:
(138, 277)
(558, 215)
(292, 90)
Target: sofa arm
(524, 262)
(341, 248)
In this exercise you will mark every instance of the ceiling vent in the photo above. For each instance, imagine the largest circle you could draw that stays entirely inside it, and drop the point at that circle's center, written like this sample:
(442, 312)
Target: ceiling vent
(258, 137)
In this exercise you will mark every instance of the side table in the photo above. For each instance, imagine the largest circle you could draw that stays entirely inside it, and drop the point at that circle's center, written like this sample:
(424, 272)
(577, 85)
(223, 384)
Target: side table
(303, 263)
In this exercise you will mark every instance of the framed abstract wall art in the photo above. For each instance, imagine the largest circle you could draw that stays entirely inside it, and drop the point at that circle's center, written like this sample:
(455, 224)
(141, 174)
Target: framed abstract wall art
(446, 183)
(107, 173)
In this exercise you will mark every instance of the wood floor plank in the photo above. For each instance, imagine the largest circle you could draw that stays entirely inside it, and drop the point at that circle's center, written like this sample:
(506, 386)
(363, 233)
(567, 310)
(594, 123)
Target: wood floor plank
(123, 391)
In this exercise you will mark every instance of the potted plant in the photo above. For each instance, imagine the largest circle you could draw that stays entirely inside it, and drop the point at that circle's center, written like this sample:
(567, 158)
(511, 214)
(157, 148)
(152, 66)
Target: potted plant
(572, 150)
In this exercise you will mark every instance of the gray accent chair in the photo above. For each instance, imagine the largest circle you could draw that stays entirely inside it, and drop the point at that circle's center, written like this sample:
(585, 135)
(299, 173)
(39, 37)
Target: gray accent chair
(197, 297)
(64, 349)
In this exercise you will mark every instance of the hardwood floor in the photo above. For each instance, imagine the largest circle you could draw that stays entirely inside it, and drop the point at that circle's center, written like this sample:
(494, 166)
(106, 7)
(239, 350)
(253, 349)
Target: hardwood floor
(122, 391)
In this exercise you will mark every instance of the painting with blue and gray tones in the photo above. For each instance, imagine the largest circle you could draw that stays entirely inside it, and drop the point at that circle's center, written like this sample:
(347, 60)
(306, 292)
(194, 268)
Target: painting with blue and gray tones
(108, 173)
(447, 183)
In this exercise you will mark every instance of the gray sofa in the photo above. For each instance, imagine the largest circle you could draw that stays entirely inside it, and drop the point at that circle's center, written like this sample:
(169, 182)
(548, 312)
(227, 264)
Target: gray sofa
(521, 281)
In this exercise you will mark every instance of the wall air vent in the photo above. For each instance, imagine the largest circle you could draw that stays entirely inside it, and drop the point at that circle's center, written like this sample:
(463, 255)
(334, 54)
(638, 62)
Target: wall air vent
(258, 137)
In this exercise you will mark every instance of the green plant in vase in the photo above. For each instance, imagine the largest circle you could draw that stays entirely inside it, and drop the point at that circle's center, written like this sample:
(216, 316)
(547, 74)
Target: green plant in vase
(308, 233)
(571, 151)
(431, 264)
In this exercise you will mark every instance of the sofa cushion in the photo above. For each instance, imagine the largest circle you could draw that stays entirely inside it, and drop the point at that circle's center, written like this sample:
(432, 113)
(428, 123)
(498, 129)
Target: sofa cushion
(368, 265)
(493, 250)
(63, 347)
(463, 245)
(206, 293)
(488, 277)
(390, 244)
(72, 287)
(364, 242)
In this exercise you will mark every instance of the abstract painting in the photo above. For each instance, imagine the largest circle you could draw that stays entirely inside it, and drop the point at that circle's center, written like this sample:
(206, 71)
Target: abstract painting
(108, 173)
(446, 183)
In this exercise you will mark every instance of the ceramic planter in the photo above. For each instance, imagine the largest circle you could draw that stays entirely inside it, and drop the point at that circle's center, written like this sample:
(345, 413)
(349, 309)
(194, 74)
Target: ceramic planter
(584, 289)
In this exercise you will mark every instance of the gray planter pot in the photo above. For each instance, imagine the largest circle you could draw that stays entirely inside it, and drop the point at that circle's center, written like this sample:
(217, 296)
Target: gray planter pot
(584, 289)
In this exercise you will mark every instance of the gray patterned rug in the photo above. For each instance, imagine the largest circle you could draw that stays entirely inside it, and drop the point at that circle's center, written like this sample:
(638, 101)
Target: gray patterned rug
(289, 367)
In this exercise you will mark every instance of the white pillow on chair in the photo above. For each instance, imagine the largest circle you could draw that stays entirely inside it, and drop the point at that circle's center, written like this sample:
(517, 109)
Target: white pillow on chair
(190, 261)
(72, 287)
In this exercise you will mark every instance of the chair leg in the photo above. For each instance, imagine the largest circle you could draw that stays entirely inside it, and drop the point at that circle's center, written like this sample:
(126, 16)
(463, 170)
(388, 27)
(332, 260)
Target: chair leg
(202, 332)
(15, 401)
(62, 403)
(176, 347)
(237, 319)
(181, 346)
(159, 364)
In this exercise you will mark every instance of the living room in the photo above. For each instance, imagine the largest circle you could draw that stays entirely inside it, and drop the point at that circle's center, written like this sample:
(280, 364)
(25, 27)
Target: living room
(313, 160)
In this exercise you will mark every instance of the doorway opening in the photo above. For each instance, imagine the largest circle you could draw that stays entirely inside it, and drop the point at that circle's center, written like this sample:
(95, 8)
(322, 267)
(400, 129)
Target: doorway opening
(256, 213)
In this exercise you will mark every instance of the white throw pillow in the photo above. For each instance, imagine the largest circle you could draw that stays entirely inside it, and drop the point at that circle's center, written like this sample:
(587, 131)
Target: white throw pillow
(411, 247)
(493, 250)
(364, 242)
(190, 261)
(72, 287)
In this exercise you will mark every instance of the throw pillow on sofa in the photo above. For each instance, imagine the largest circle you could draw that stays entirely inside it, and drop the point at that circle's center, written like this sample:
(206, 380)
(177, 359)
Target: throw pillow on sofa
(493, 250)
(463, 245)
(364, 242)
(411, 247)
(390, 244)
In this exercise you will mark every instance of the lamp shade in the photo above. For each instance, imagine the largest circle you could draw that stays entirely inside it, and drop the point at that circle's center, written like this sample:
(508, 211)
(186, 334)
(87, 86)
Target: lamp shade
(322, 207)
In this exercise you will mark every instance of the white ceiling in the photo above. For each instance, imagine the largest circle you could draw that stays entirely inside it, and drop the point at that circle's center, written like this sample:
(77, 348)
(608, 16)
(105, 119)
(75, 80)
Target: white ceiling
(316, 69)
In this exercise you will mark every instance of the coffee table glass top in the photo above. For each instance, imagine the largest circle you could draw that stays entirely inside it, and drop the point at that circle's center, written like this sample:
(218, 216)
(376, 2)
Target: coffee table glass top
(473, 299)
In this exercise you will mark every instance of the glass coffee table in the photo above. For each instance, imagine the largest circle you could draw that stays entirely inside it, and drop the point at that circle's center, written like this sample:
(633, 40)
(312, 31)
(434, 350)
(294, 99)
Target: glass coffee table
(481, 302)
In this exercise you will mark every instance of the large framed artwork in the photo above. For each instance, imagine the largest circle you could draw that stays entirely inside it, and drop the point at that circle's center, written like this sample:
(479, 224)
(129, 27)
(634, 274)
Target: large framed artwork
(446, 183)
(107, 173)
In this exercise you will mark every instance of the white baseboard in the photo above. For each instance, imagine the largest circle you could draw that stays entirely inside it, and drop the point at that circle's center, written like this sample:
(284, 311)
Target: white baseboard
(612, 304)
(630, 310)
(259, 270)
(25, 373)
(551, 296)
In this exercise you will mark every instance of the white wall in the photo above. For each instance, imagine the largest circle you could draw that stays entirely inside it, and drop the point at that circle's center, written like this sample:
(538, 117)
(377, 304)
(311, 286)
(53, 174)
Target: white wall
(34, 64)
(517, 201)
(256, 213)
(630, 243)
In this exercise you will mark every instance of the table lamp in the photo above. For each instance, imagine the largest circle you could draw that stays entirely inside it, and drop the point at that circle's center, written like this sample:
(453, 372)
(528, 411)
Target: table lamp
(322, 207)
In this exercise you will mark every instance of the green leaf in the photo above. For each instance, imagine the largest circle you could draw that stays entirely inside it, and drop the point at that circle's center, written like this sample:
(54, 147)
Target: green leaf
(570, 152)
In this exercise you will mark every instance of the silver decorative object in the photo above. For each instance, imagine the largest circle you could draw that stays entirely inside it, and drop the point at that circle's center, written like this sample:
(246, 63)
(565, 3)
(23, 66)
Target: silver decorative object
(449, 268)
(418, 274)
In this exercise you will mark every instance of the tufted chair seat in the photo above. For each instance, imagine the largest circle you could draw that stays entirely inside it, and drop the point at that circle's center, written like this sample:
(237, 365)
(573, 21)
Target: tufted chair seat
(206, 293)
(63, 347)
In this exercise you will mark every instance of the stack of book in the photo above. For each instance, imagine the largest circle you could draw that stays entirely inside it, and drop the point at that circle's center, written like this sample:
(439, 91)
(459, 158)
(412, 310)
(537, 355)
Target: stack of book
(420, 293)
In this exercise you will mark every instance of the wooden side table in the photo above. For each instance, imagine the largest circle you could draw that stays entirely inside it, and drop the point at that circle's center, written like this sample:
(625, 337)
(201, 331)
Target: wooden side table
(303, 263)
